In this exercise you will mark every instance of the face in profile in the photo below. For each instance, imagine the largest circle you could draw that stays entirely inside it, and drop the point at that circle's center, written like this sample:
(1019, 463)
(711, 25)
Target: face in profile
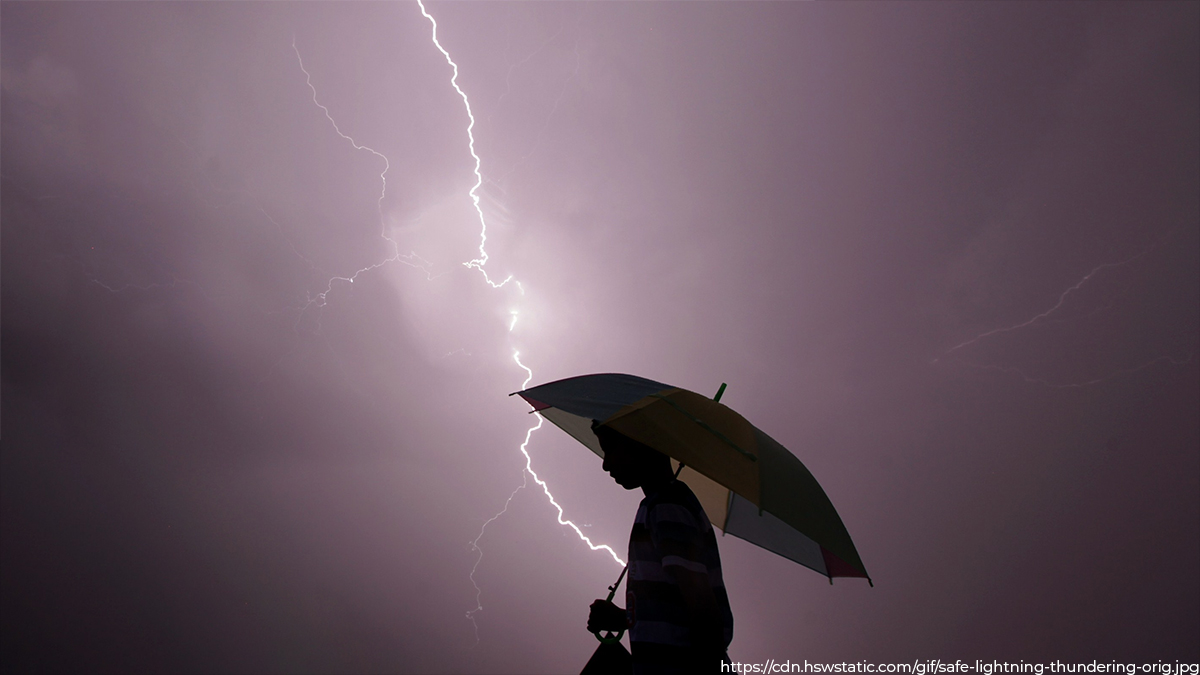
(620, 462)
(626, 460)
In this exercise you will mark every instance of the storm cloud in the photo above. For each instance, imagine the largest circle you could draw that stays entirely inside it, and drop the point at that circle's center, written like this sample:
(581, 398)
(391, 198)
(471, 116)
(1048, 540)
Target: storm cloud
(221, 455)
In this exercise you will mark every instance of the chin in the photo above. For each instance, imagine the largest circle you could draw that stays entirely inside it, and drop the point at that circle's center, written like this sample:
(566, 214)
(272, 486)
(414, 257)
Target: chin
(627, 483)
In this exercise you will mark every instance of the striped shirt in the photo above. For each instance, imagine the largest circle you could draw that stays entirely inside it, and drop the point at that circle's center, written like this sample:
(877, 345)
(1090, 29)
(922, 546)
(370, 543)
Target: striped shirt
(671, 530)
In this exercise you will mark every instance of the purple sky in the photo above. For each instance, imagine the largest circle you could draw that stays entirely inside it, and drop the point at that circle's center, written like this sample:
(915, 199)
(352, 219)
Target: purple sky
(209, 466)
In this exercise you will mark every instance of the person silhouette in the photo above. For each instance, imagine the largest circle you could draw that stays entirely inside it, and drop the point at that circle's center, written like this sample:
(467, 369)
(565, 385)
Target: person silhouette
(676, 608)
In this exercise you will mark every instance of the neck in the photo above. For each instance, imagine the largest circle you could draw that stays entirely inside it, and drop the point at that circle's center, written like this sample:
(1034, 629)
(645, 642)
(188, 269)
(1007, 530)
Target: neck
(656, 483)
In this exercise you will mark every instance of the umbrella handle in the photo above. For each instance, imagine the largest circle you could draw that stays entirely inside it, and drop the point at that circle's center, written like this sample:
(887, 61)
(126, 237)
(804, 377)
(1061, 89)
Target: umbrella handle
(609, 638)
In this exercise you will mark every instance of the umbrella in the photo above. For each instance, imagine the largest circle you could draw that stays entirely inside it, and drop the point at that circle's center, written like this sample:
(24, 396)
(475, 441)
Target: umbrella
(749, 485)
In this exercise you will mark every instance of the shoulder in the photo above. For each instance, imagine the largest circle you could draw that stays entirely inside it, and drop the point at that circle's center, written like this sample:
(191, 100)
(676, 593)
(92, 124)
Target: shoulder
(677, 504)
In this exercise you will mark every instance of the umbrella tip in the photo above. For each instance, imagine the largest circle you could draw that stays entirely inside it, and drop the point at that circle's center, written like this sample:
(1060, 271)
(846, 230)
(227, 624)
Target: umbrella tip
(720, 392)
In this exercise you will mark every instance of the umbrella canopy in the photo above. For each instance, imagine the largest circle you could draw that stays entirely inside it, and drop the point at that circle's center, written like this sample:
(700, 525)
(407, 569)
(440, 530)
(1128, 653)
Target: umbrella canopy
(750, 485)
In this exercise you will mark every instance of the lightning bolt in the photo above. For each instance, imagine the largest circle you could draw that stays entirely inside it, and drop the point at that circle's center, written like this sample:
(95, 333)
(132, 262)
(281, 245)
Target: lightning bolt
(1061, 300)
(478, 263)
(475, 544)
(1044, 317)
(526, 474)
(542, 483)
(409, 259)
(387, 165)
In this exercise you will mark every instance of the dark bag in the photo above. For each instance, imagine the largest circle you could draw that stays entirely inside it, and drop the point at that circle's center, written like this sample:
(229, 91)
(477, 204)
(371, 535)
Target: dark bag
(610, 658)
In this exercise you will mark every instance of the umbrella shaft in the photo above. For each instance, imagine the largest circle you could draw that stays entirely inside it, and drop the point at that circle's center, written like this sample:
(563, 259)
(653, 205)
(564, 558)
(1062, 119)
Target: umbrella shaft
(612, 590)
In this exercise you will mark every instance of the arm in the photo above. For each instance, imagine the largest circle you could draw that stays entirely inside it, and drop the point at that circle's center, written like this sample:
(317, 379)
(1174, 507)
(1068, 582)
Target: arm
(702, 608)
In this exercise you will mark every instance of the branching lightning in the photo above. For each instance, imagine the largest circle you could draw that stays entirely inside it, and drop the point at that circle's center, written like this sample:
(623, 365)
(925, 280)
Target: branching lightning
(1062, 298)
(475, 544)
(525, 475)
(1044, 317)
(410, 259)
(386, 164)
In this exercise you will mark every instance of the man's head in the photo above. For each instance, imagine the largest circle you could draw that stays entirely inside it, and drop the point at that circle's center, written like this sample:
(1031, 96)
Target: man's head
(630, 463)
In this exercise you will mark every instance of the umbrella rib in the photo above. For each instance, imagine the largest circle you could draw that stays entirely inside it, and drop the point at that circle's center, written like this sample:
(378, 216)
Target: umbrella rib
(705, 425)
(728, 511)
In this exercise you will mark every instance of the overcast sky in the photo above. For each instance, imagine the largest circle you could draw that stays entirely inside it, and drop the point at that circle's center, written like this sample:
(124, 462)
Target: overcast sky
(945, 253)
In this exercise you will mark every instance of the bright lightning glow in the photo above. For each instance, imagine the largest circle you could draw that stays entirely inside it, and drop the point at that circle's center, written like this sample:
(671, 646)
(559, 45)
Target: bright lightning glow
(479, 262)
